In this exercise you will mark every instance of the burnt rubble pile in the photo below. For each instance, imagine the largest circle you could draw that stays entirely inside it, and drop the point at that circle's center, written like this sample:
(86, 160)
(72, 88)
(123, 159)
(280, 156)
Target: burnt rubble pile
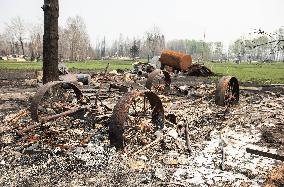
(203, 145)
(197, 143)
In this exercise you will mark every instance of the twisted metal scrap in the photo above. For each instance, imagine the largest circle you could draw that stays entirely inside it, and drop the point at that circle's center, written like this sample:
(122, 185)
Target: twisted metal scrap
(227, 91)
(42, 90)
(153, 74)
(120, 114)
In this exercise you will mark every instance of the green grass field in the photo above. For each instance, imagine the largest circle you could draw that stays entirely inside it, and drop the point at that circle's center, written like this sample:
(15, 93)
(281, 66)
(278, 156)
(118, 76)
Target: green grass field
(88, 65)
(271, 73)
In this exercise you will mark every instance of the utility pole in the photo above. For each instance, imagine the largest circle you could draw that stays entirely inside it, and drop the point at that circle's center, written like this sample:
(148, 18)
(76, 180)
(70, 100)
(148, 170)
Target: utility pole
(50, 41)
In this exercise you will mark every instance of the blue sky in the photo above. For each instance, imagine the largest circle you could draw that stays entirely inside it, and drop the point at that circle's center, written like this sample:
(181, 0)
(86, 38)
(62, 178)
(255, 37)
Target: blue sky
(221, 20)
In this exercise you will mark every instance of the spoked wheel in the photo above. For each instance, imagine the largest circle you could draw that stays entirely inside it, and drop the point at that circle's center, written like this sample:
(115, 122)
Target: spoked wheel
(135, 118)
(55, 99)
(227, 91)
(159, 81)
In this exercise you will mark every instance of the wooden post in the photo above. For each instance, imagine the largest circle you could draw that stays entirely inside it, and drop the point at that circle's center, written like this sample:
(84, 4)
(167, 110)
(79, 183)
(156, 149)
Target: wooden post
(50, 41)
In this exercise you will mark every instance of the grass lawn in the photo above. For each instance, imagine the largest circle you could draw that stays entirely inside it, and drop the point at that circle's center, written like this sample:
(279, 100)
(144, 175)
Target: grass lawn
(88, 65)
(269, 73)
(100, 65)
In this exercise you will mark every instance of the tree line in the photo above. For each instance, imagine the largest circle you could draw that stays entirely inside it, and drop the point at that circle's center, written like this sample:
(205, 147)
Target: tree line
(259, 46)
(27, 40)
(75, 45)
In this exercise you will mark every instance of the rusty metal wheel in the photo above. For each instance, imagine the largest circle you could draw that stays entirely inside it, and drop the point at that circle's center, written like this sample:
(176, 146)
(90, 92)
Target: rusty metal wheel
(227, 91)
(135, 118)
(158, 80)
(55, 99)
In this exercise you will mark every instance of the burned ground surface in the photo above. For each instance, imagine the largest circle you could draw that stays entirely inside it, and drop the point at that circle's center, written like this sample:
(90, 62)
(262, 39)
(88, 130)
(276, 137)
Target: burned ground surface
(205, 145)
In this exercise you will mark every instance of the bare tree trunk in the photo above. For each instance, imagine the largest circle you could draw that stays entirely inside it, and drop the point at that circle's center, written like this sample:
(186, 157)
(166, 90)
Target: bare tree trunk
(22, 45)
(72, 51)
(50, 41)
(12, 48)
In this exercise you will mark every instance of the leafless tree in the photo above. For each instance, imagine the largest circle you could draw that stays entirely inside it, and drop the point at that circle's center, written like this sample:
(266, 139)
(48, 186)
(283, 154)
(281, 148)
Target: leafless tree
(155, 41)
(218, 51)
(260, 46)
(5, 45)
(2, 45)
(276, 38)
(78, 38)
(63, 44)
(35, 41)
(17, 32)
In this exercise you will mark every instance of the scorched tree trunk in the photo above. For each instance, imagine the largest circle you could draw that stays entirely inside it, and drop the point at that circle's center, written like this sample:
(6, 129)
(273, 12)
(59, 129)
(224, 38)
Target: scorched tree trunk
(50, 41)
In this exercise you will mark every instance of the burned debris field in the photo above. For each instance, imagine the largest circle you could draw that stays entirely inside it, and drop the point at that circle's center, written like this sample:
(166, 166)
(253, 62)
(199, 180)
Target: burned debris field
(140, 128)
(152, 93)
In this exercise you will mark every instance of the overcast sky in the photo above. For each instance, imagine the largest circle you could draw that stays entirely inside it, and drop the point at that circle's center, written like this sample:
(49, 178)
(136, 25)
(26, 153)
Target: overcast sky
(221, 20)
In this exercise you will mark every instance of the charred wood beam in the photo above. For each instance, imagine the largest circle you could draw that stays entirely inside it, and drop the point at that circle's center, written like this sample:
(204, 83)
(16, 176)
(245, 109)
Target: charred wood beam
(265, 154)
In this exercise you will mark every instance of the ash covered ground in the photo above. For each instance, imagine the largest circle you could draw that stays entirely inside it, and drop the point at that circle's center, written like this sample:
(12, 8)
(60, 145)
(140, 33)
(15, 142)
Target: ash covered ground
(75, 150)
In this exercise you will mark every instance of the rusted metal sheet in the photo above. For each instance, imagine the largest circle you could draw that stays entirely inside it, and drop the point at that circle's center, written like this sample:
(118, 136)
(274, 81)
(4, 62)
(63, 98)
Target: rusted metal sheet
(177, 60)
(154, 74)
(119, 119)
(44, 89)
(227, 91)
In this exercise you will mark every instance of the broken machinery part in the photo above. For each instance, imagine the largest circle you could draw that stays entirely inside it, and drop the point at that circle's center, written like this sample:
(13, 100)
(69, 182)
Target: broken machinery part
(227, 91)
(55, 99)
(135, 116)
(155, 82)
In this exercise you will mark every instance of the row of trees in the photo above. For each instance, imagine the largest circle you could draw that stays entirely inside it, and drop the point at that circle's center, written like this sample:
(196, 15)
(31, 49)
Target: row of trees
(74, 44)
(27, 40)
(151, 44)
(259, 46)
(199, 49)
